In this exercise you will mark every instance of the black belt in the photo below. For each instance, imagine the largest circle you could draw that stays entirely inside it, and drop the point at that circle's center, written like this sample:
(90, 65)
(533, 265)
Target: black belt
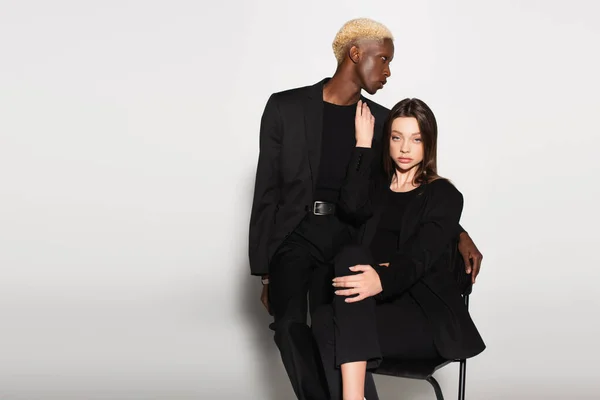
(322, 208)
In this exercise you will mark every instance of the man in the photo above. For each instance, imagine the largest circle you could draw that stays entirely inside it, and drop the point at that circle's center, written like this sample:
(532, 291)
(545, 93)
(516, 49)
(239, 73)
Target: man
(307, 142)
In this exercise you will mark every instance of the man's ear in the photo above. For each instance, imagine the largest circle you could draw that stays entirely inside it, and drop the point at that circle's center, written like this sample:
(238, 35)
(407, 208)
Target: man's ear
(354, 54)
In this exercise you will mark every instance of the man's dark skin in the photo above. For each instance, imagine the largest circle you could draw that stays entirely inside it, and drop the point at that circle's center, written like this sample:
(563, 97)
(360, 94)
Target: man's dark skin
(367, 67)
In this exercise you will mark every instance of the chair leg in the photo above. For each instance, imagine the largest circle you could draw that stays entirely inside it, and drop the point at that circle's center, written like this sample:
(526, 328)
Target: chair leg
(436, 387)
(462, 379)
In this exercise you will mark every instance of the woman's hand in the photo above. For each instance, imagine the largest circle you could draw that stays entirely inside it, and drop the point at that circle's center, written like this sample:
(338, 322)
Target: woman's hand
(364, 125)
(365, 284)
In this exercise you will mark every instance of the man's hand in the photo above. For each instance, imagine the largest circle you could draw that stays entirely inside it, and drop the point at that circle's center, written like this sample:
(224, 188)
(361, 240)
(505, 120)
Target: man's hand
(471, 255)
(365, 284)
(364, 125)
(264, 297)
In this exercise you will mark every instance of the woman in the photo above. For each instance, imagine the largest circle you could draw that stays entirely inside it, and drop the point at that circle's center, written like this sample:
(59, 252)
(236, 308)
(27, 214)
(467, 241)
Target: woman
(396, 294)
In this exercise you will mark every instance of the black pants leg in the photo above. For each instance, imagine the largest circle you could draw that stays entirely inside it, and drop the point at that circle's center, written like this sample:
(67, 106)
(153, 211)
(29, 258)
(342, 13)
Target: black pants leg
(367, 330)
(291, 276)
(304, 263)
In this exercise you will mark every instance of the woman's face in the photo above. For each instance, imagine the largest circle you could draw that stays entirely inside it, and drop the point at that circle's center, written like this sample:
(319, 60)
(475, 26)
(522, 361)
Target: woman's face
(406, 146)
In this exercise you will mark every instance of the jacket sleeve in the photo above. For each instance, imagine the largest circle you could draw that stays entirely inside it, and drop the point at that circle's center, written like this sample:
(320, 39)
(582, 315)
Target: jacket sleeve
(266, 188)
(436, 231)
(355, 194)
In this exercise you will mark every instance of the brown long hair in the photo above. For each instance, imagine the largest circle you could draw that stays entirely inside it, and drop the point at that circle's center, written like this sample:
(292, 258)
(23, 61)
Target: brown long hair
(427, 169)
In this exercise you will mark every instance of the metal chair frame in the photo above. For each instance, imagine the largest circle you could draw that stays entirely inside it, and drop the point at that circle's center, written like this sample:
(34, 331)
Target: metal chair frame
(462, 374)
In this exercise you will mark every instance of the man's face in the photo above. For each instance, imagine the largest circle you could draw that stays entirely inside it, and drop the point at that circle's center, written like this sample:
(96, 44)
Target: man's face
(373, 66)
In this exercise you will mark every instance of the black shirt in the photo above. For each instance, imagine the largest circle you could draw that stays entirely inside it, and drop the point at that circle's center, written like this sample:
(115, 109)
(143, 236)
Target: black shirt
(387, 238)
(337, 143)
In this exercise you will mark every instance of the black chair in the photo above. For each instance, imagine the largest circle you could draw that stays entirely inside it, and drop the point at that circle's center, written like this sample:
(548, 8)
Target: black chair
(424, 369)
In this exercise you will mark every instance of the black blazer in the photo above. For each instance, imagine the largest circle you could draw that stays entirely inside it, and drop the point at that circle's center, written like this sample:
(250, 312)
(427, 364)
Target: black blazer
(423, 266)
(288, 167)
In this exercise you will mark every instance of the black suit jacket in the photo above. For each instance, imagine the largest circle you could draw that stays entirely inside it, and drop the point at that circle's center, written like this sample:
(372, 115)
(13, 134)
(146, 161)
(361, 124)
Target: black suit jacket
(288, 166)
(423, 267)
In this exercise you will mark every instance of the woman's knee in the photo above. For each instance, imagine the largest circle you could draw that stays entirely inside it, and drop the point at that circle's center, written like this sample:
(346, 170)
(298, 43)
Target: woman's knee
(349, 256)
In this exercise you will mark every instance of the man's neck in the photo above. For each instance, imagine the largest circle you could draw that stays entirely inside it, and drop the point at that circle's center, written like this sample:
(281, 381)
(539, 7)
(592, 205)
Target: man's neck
(341, 89)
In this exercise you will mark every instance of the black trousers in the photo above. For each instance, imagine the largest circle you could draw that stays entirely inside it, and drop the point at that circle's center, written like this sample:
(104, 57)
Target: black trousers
(368, 330)
(303, 265)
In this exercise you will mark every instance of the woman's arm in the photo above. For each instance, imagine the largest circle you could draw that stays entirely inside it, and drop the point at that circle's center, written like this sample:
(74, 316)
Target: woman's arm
(354, 199)
(355, 194)
(435, 233)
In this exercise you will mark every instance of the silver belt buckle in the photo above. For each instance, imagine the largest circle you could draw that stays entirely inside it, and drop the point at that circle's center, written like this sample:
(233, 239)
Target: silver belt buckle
(315, 208)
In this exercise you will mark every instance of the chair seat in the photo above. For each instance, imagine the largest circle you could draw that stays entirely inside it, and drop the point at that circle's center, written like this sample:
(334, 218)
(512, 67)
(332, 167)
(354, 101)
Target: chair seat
(414, 369)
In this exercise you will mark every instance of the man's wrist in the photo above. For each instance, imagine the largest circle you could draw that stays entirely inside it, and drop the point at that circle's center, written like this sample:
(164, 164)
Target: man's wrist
(364, 144)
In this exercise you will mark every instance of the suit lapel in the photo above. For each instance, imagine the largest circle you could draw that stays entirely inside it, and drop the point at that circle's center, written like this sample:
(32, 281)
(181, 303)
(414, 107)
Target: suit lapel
(412, 214)
(313, 123)
(410, 219)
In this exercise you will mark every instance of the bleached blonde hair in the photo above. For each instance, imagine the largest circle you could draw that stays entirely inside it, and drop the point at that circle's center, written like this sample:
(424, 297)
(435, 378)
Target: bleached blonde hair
(355, 30)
